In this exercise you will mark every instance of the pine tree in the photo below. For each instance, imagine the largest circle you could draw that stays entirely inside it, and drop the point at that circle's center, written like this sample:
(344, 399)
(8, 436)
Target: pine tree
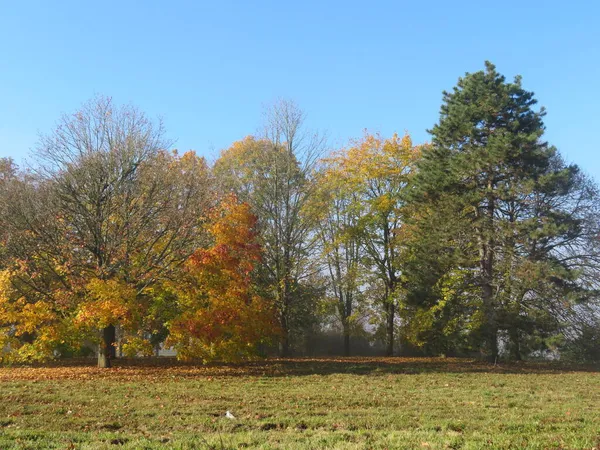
(513, 195)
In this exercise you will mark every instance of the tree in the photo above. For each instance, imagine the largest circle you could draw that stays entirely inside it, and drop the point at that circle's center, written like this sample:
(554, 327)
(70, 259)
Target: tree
(340, 249)
(441, 305)
(548, 262)
(222, 317)
(8, 174)
(376, 173)
(273, 175)
(35, 311)
(518, 205)
(108, 214)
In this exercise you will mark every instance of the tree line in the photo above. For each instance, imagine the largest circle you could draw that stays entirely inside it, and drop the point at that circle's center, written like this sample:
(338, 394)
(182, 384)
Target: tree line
(482, 241)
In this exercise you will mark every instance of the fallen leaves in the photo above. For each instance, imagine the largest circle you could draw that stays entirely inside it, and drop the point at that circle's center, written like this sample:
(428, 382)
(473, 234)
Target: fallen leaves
(161, 369)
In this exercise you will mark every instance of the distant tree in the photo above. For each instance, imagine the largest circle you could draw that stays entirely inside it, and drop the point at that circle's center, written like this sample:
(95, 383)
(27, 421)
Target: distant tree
(8, 174)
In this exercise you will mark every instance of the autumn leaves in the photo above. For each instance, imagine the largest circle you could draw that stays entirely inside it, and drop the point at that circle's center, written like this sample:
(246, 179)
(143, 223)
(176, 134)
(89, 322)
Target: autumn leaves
(484, 240)
(223, 317)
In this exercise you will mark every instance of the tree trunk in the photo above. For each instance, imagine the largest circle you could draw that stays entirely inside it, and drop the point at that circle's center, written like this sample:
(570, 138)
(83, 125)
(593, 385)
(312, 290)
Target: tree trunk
(490, 326)
(389, 351)
(487, 278)
(490, 330)
(284, 342)
(107, 349)
(346, 313)
(284, 347)
(515, 344)
(346, 340)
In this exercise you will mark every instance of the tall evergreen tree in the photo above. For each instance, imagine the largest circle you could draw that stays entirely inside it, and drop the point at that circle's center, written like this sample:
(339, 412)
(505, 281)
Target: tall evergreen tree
(524, 208)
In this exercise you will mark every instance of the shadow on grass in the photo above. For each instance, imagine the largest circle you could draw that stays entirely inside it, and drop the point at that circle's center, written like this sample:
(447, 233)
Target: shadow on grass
(163, 367)
(399, 365)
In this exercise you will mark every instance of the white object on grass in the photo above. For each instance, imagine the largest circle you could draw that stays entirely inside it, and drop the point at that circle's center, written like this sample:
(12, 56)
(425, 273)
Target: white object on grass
(229, 415)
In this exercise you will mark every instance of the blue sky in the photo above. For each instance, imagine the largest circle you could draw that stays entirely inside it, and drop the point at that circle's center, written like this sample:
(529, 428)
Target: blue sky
(209, 67)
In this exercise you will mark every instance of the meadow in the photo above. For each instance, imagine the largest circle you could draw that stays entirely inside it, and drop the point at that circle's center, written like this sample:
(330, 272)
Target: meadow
(347, 403)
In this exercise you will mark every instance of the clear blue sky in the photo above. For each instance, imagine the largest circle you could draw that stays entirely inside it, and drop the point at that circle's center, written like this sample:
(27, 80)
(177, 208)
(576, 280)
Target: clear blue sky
(208, 67)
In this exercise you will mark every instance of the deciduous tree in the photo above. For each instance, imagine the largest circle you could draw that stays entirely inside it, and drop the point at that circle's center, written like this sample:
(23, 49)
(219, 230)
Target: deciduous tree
(108, 213)
(274, 175)
(222, 317)
(376, 173)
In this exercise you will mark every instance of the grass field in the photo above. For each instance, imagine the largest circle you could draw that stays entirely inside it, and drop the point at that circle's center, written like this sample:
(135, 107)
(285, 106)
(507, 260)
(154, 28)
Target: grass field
(350, 403)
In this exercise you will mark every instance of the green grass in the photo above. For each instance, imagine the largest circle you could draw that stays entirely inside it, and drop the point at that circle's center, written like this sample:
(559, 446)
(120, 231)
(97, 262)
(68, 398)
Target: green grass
(349, 403)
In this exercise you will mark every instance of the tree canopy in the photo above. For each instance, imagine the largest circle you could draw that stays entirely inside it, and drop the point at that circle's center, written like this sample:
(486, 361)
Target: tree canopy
(483, 241)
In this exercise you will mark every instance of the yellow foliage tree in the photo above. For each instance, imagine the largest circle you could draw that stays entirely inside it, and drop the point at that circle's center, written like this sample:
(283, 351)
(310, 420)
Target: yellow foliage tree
(377, 172)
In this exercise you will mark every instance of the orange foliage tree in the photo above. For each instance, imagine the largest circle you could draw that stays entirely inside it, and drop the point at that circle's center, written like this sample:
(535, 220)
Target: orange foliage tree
(221, 315)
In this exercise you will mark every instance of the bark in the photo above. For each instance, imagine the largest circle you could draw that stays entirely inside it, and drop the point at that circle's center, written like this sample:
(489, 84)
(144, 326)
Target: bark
(107, 349)
(491, 327)
(284, 346)
(389, 351)
(284, 342)
(487, 277)
(346, 339)
(515, 344)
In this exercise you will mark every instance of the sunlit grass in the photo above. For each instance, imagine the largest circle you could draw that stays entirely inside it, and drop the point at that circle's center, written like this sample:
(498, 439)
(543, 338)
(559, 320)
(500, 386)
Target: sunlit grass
(326, 403)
